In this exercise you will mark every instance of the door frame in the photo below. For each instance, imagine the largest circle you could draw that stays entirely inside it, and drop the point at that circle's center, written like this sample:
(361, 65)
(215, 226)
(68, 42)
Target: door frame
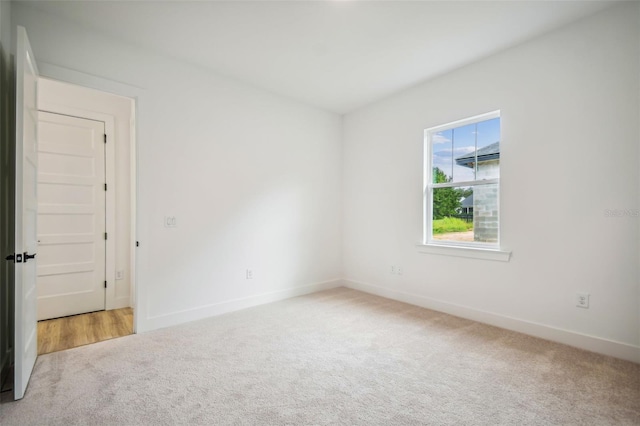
(64, 75)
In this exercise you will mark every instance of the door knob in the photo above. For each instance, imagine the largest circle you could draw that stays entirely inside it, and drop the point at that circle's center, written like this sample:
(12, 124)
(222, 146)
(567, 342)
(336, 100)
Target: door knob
(28, 256)
(17, 258)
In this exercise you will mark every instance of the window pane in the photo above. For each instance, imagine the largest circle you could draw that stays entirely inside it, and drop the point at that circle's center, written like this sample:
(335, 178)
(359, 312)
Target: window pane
(488, 153)
(453, 214)
(442, 157)
(485, 213)
(464, 145)
(476, 151)
(466, 214)
(488, 132)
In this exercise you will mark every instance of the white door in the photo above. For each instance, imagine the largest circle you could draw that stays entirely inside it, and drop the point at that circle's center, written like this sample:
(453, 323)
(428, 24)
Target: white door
(71, 216)
(26, 342)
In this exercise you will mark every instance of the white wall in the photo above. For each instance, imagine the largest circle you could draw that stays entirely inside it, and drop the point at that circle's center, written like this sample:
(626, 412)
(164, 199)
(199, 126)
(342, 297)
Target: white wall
(569, 152)
(253, 179)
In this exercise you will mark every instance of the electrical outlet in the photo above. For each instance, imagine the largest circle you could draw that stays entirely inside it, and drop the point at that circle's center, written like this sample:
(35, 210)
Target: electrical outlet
(393, 269)
(399, 269)
(119, 275)
(249, 274)
(582, 300)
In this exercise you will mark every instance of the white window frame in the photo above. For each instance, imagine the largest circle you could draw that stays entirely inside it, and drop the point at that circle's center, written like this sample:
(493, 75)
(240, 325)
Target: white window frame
(490, 251)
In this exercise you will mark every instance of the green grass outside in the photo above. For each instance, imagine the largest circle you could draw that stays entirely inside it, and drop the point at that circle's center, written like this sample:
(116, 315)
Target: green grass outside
(451, 224)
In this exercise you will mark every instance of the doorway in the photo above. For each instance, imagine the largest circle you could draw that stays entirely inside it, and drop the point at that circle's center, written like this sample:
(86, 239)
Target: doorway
(85, 221)
(78, 330)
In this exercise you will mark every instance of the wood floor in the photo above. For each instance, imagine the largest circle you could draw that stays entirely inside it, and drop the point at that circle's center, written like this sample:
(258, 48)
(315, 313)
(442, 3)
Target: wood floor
(69, 332)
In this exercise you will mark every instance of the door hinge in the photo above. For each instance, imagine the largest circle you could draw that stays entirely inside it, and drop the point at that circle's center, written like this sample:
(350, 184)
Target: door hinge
(105, 186)
(105, 138)
(105, 235)
(105, 284)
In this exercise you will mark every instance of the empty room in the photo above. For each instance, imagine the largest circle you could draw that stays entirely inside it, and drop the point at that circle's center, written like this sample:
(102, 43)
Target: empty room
(320, 212)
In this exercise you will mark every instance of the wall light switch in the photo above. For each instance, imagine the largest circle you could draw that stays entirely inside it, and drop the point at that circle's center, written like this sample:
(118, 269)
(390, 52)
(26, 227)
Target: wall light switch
(170, 222)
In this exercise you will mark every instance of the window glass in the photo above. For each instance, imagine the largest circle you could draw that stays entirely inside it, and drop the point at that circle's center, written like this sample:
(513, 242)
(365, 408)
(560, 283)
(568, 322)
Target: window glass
(463, 192)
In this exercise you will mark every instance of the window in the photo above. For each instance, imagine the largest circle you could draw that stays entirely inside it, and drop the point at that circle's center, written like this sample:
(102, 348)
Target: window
(462, 183)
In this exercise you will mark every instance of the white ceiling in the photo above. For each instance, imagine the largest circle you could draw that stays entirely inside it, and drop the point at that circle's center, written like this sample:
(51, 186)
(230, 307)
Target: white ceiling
(337, 55)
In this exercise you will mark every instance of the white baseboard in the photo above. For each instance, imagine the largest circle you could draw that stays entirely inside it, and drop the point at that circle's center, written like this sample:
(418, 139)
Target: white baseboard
(206, 311)
(123, 302)
(583, 341)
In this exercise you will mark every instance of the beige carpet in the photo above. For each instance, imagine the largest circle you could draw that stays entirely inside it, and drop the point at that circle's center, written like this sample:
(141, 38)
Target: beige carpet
(334, 357)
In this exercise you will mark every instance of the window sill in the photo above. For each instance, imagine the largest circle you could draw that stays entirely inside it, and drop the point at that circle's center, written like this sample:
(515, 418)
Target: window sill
(471, 252)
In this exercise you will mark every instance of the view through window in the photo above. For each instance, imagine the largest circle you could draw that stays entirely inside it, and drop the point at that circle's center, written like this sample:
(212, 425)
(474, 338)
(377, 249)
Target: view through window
(462, 169)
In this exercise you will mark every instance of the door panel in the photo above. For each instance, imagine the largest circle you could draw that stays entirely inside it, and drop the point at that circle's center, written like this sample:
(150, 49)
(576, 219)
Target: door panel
(71, 216)
(26, 214)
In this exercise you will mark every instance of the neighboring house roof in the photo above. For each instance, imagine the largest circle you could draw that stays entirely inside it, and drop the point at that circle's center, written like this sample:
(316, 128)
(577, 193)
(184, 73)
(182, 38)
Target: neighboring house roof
(486, 153)
(467, 202)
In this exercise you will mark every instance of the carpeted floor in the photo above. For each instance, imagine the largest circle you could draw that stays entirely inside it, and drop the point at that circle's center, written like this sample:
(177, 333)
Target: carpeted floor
(334, 357)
